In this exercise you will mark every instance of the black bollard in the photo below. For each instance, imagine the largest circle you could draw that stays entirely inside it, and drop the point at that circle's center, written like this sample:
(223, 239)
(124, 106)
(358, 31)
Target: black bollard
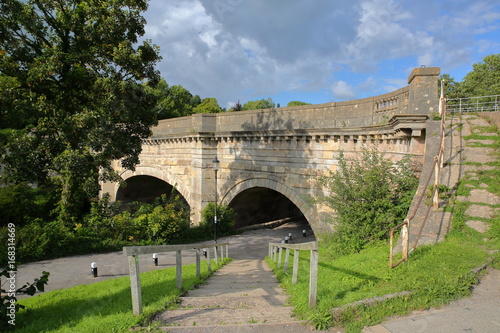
(93, 267)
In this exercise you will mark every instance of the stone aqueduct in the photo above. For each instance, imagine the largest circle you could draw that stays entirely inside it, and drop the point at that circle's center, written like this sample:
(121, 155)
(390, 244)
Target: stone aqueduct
(270, 159)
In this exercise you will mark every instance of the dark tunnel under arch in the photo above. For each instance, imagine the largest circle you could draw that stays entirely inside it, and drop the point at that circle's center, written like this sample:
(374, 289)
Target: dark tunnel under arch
(144, 188)
(259, 205)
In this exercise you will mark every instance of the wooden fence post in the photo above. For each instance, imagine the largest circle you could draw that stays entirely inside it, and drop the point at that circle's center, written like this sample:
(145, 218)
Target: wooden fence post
(198, 264)
(295, 271)
(209, 264)
(287, 258)
(279, 257)
(313, 279)
(178, 270)
(135, 284)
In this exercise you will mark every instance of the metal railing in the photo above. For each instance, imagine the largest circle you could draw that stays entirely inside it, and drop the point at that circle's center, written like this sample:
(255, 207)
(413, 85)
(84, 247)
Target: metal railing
(474, 104)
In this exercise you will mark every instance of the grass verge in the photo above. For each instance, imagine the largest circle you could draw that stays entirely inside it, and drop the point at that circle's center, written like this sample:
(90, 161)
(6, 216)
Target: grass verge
(105, 306)
(435, 275)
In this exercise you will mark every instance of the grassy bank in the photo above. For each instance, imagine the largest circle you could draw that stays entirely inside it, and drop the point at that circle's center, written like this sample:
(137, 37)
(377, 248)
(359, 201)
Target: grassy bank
(104, 306)
(435, 275)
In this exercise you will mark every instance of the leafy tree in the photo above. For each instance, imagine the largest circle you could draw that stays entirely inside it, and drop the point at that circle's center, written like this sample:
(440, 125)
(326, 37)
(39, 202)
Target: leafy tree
(21, 203)
(297, 103)
(451, 87)
(370, 196)
(236, 107)
(259, 104)
(77, 69)
(484, 79)
(195, 101)
(208, 105)
(173, 101)
(9, 119)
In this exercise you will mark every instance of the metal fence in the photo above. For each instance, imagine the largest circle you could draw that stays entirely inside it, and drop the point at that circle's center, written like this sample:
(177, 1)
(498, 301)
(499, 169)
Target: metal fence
(473, 104)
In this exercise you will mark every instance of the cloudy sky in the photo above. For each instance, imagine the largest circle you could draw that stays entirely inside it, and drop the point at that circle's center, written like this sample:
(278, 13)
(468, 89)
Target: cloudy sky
(316, 51)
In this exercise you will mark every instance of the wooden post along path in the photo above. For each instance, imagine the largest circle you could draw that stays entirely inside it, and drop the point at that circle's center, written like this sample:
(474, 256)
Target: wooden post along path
(275, 250)
(133, 252)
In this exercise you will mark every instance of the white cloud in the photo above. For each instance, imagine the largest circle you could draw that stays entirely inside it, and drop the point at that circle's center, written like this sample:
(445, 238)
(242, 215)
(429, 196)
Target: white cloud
(241, 49)
(341, 90)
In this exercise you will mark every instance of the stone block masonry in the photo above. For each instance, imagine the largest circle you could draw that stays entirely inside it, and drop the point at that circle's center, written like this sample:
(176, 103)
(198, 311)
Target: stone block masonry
(284, 149)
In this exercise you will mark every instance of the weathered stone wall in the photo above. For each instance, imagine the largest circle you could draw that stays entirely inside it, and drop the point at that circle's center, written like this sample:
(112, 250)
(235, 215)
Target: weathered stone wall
(285, 149)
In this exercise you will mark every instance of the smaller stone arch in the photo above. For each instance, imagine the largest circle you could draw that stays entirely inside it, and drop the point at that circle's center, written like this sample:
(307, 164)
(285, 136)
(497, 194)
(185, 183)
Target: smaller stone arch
(160, 174)
(304, 205)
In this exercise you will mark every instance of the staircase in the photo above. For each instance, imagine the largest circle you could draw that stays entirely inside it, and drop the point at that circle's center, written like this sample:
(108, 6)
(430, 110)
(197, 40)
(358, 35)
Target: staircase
(243, 296)
(430, 226)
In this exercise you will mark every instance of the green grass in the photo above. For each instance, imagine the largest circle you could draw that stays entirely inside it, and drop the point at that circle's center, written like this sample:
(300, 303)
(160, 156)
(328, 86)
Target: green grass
(104, 306)
(435, 274)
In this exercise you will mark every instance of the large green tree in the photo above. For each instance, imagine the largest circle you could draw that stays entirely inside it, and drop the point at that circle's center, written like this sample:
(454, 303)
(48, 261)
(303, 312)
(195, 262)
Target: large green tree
(297, 103)
(208, 105)
(259, 104)
(484, 79)
(76, 68)
(174, 101)
(370, 195)
(451, 87)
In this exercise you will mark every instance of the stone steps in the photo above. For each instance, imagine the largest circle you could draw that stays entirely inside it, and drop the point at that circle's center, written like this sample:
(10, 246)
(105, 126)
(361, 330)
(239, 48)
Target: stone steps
(226, 316)
(234, 302)
(458, 152)
(243, 296)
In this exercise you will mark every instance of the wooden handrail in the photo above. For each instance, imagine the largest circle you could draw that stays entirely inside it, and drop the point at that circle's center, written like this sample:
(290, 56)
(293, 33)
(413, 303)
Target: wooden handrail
(275, 250)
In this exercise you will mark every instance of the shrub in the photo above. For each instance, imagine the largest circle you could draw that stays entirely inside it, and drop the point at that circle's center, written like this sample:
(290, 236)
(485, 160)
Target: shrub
(43, 240)
(225, 219)
(21, 203)
(370, 195)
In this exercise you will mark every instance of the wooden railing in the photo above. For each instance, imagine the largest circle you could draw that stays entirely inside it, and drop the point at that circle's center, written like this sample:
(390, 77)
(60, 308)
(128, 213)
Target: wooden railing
(133, 252)
(275, 253)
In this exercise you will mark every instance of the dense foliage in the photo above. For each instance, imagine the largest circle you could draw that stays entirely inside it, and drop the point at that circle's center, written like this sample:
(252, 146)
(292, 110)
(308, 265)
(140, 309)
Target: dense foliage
(174, 101)
(225, 219)
(21, 203)
(297, 103)
(259, 104)
(370, 195)
(483, 80)
(108, 227)
(75, 70)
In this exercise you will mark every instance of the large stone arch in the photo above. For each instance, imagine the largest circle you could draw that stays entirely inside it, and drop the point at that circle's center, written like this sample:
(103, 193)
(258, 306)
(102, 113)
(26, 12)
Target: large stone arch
(160, 174)
(304, 205)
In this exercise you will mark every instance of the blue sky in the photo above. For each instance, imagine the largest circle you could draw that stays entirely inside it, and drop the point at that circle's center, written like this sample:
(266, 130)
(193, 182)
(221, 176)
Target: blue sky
(316, 51)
